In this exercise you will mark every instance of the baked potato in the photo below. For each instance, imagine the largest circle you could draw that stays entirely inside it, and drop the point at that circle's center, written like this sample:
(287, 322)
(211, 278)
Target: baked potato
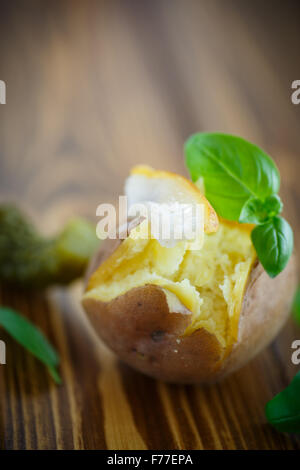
(186, 316)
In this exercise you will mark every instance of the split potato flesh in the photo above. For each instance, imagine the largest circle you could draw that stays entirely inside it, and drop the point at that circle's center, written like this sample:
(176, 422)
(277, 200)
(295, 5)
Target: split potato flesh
(186, 316)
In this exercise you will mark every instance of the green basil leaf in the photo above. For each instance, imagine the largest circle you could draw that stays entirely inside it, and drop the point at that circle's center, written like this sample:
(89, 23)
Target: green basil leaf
(273, 205)
(283, 411)
(31, 338)
(296, 306)
(233, 171)
(54, 374)
(273, 242)
(256, 211)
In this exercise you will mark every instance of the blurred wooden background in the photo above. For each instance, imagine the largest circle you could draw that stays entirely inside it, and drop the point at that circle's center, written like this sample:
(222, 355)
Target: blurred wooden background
(94, 87)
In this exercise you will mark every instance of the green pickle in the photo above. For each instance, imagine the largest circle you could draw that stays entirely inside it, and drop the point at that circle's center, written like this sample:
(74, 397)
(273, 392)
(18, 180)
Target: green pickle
(31, 260)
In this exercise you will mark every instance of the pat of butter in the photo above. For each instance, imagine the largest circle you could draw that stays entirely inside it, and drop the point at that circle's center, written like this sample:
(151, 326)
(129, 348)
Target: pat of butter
(170, 223)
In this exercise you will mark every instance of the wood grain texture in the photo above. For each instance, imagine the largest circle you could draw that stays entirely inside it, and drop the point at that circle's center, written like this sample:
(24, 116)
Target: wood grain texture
(94, 87)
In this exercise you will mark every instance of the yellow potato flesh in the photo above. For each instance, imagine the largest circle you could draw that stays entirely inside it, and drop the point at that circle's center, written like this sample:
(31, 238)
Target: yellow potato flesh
(209, 282)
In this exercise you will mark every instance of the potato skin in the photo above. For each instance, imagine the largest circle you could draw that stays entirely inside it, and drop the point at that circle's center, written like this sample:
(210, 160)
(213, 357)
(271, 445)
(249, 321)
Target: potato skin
(141, 330)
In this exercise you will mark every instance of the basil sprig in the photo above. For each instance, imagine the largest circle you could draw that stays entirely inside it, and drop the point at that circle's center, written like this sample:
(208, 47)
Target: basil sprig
(283, 411)
(241, 182)
(273, 242)
(31, 338)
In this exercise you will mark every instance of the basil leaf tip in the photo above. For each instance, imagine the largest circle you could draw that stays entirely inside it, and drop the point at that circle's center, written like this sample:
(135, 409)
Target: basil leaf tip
(31, 338)
(283, 411)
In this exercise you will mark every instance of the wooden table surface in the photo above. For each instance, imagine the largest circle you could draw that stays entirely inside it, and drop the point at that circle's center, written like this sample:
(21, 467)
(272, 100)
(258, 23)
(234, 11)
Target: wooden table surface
(94, 87)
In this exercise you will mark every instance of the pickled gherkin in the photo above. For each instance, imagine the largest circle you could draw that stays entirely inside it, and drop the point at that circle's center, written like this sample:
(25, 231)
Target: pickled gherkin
(29, 259)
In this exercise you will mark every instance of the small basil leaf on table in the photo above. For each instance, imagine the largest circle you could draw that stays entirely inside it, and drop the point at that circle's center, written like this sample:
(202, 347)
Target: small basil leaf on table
(296, 306)
(31, 338)
(233, 171)
(273, 242)
(283, 411)
(256, 211)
